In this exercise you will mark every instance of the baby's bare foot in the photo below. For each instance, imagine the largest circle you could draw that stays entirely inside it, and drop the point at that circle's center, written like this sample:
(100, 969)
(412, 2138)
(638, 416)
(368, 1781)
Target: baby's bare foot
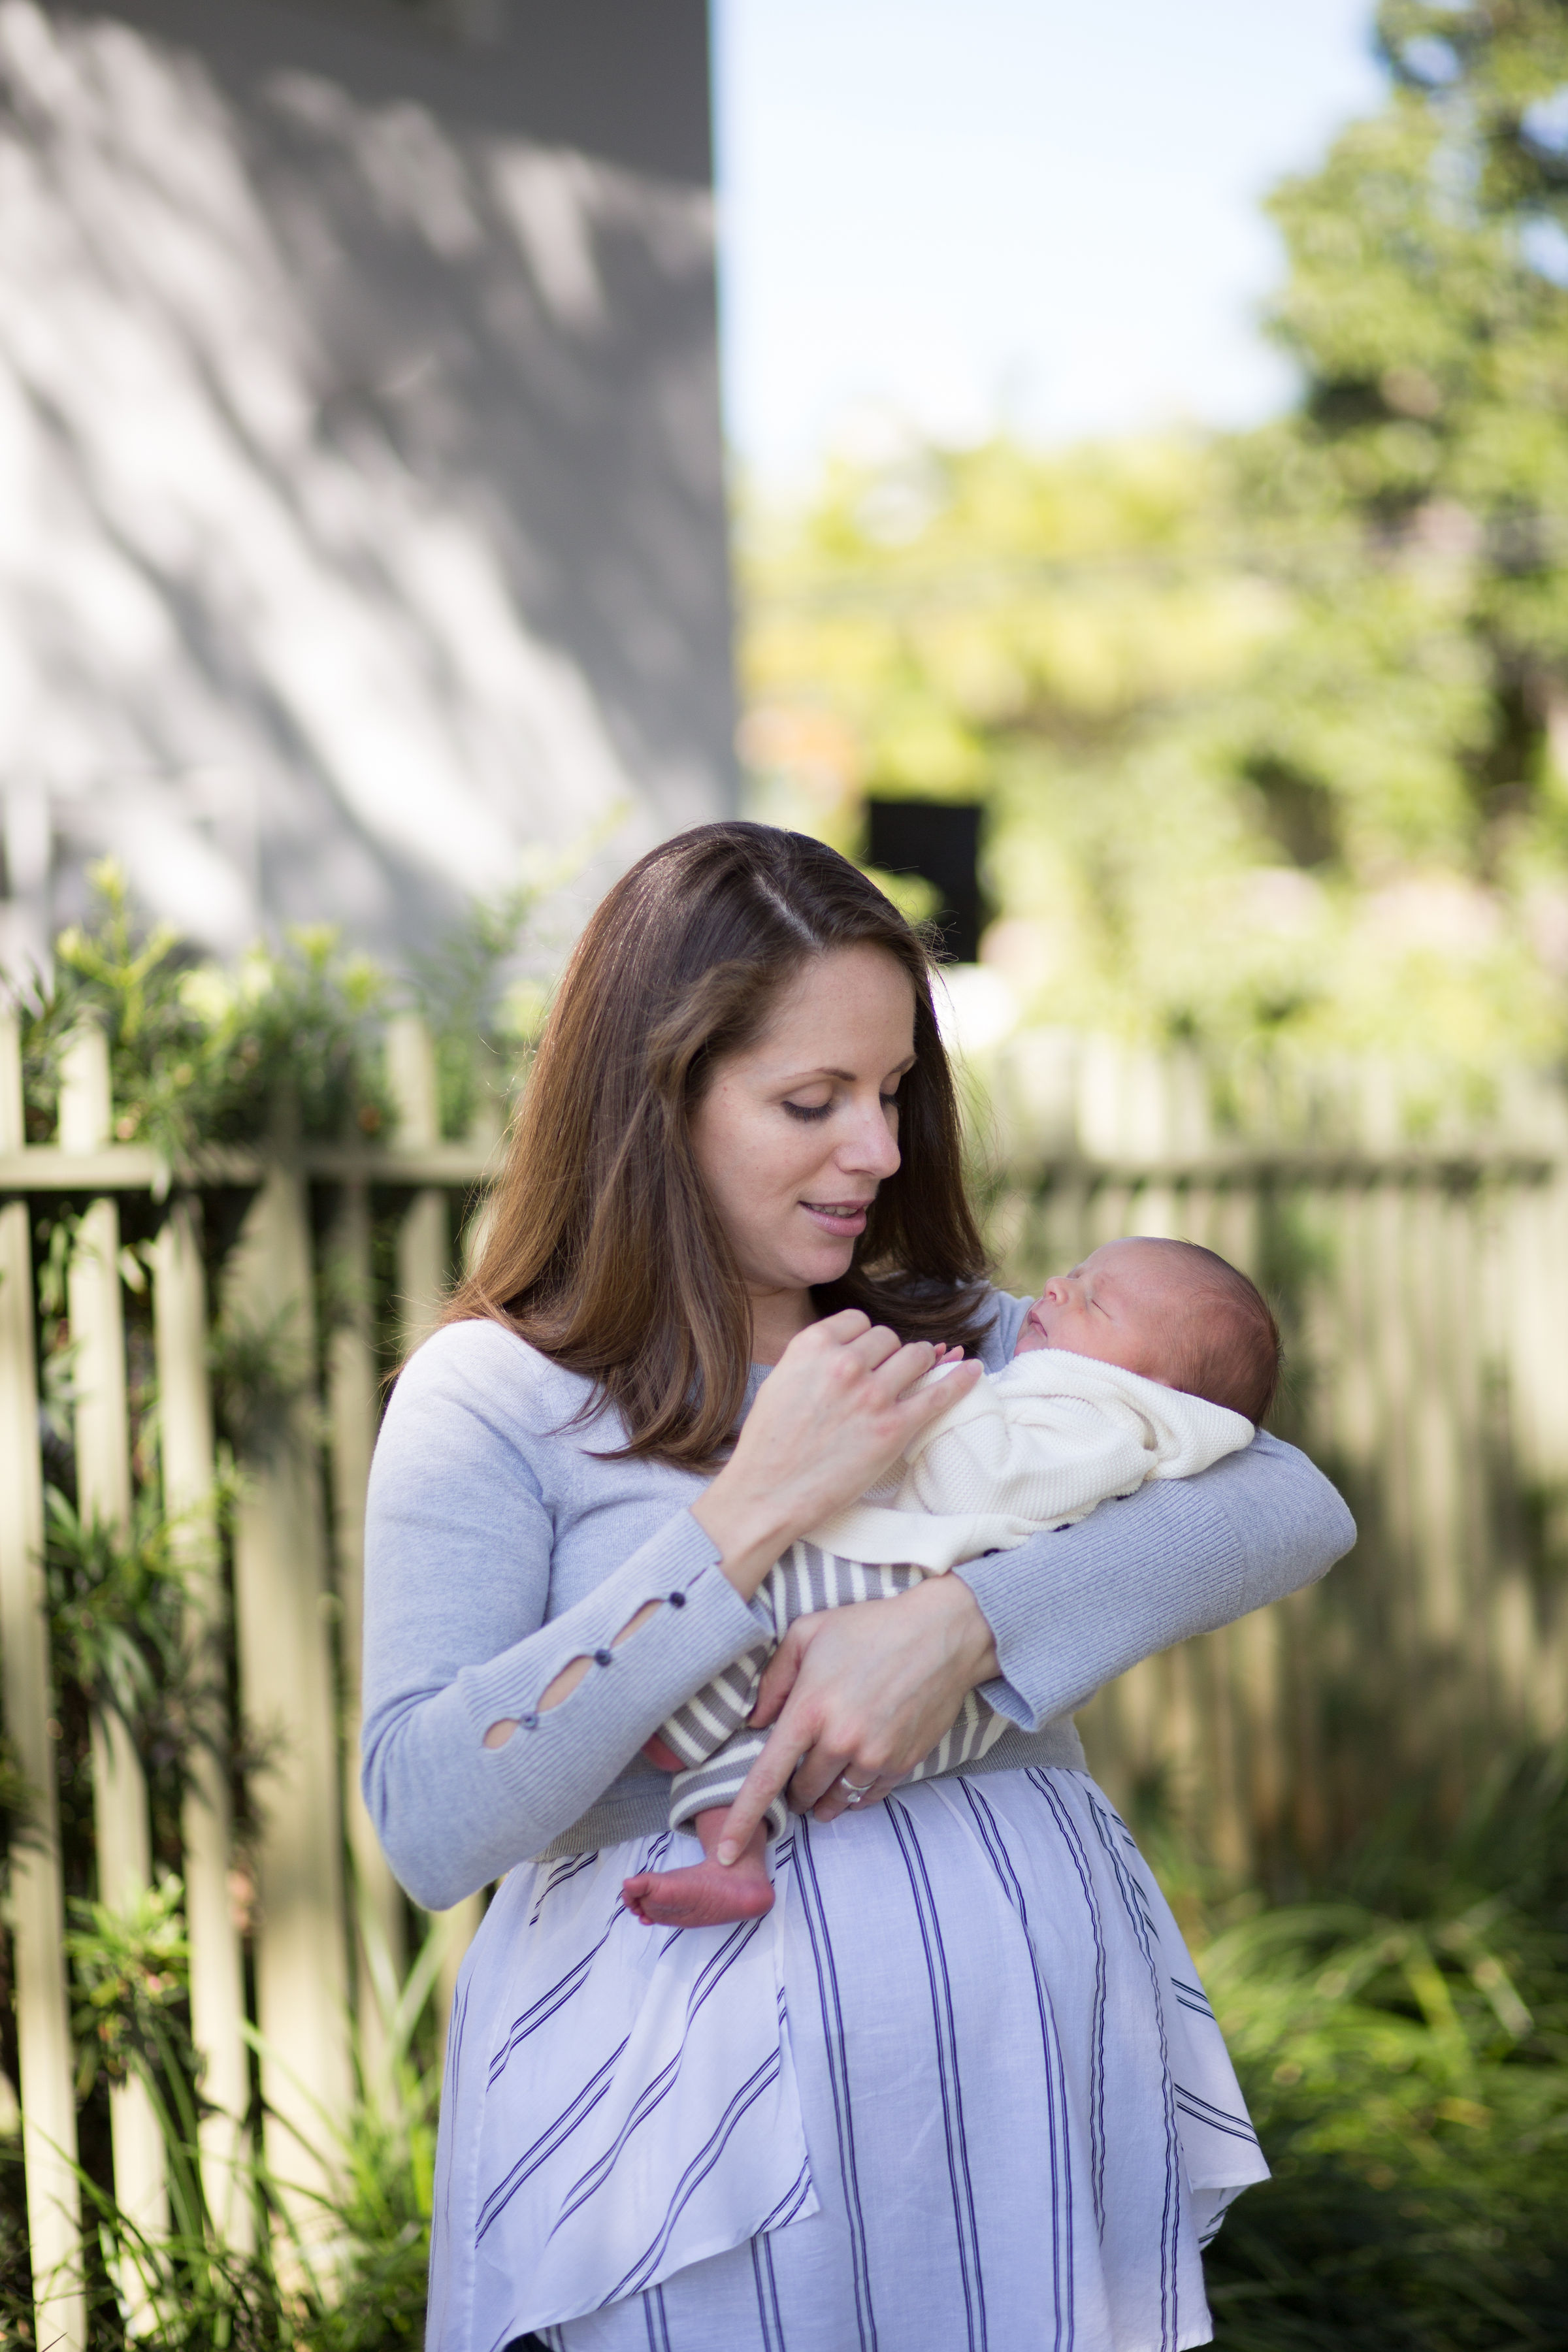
(706, 1895)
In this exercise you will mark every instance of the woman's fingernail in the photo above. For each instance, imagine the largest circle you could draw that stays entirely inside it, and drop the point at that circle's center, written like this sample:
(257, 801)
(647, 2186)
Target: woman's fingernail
(726, 1853)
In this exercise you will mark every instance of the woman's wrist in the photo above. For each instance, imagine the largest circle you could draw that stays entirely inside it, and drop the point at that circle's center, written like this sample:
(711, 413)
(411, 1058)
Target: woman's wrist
(748, 1531)
(971, 1644)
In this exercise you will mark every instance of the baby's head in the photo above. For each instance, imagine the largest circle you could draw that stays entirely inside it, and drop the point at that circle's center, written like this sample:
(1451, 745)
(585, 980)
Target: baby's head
(1173, 1311)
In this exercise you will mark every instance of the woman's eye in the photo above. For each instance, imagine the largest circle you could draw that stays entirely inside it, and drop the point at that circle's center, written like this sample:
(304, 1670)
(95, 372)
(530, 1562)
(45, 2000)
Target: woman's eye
(890, 1102)
(808, 1110)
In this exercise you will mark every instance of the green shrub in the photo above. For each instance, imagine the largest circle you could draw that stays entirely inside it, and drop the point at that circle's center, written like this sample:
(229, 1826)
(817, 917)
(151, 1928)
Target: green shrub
(1403, 2042)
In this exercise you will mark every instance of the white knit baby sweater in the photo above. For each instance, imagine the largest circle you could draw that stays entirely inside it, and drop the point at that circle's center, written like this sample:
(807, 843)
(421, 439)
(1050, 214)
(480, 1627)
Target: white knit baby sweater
(1035, 1446)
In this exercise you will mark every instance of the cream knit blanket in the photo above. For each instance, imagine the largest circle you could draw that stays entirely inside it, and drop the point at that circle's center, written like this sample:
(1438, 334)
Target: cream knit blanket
(1036, 1445)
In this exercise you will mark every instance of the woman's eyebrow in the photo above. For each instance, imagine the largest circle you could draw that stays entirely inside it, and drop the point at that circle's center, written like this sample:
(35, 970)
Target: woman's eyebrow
(845, 1077)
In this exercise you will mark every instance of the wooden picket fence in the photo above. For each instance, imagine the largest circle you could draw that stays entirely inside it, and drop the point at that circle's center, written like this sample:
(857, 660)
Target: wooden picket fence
(1425, 1294)
(330, 1923)
(1423, 1287)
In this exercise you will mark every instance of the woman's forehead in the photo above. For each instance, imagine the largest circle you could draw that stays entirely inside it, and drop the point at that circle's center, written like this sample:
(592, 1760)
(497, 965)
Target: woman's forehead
(855, 996)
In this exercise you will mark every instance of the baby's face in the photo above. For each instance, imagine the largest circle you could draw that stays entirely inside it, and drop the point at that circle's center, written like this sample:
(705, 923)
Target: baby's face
(1120, 1306)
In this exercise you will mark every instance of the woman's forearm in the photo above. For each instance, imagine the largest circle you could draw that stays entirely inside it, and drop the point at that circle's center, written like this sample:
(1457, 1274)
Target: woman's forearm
(456, 1806)
(1073, 1609)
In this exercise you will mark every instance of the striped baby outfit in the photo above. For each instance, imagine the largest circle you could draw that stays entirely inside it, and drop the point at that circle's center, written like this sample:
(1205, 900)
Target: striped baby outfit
(711, 1733)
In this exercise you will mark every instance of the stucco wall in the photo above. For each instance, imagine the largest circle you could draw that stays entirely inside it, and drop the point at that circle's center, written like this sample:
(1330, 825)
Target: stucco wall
(360, 495)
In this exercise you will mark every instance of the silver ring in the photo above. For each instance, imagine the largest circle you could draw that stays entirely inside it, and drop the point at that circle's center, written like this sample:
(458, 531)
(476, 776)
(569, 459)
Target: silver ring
(854, 1794)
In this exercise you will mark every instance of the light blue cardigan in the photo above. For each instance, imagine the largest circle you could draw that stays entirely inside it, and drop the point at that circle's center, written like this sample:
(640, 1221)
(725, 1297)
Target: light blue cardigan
(498, 1548)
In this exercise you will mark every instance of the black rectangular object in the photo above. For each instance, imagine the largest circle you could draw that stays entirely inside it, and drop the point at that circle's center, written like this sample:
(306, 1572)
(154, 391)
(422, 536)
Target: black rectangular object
(940, 841)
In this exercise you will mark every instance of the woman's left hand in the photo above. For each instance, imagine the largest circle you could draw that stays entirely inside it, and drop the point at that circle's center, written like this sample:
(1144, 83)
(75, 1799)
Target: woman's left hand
(863, 1693)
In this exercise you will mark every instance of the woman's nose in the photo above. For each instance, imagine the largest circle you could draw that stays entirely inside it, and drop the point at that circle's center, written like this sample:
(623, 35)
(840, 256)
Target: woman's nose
(870, 1149)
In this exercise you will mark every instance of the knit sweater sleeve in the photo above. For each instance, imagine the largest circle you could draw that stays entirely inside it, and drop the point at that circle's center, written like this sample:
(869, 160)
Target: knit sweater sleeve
(459, 1544)
(1073, 1609)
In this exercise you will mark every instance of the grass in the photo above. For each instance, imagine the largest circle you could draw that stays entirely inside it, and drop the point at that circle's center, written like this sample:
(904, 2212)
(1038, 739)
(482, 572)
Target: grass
(350, 2277)
(1401, 2036)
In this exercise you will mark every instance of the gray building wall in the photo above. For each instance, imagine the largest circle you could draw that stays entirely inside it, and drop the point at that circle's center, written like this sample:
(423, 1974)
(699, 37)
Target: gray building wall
(362, 522)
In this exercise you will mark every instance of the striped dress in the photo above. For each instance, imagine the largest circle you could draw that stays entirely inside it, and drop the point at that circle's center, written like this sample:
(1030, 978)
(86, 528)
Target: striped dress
(960, 2089)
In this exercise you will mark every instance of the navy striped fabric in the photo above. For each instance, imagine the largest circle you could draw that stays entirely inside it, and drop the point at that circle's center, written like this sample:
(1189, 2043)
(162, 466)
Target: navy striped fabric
(959, 2091)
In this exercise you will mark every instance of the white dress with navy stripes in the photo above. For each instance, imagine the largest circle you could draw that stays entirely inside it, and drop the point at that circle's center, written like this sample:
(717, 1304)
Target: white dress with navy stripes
(959, 2090)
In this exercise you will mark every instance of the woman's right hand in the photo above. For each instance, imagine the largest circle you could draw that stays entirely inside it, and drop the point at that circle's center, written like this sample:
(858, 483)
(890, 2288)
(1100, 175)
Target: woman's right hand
(836, 1409)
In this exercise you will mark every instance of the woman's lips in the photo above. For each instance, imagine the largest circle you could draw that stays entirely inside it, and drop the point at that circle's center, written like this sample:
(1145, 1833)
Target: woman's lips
(842, 1219)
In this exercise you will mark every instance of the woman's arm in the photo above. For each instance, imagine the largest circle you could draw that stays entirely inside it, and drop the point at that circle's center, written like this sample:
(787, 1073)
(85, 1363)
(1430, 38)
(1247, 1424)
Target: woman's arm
(1070, 1611)
(869, 1691)
(457, 1551)
(487, 1731)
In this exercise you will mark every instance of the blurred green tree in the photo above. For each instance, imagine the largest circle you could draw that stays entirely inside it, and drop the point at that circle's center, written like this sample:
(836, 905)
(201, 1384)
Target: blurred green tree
(1272, 729)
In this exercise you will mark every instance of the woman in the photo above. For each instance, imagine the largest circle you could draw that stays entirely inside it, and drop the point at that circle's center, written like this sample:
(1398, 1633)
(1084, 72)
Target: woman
(960, 2086)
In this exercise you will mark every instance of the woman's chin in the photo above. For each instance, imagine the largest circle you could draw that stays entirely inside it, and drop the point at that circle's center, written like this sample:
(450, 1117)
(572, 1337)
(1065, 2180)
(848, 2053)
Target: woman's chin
(829, 1262)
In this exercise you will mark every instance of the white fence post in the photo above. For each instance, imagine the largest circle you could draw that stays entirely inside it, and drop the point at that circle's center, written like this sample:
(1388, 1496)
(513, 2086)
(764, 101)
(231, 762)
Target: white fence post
(283, 1640)
(120, 1822)
(379, 1932)
(217, 1970)
(48, 2071)
(424, 1270)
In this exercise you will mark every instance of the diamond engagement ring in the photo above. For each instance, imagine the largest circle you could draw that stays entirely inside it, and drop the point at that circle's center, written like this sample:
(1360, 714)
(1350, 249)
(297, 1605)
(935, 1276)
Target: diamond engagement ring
(851, 1792)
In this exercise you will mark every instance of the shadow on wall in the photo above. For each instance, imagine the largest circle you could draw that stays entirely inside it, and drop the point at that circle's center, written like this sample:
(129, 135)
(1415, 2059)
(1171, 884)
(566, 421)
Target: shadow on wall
(360, 461)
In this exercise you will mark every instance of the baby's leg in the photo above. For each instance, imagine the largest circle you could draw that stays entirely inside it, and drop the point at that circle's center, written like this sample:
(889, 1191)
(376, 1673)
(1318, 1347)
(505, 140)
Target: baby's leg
(707, 1894)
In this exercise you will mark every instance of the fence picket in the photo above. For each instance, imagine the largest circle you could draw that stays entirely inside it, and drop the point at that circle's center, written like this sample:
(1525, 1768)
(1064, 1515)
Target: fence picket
(424, 1271)
(379, 1937)
(121, 1821)
(286, 1684)
(47, 2061)
(217, 1967)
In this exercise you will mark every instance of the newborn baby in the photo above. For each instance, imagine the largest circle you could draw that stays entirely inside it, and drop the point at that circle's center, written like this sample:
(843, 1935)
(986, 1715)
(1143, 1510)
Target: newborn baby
(1151, 1360)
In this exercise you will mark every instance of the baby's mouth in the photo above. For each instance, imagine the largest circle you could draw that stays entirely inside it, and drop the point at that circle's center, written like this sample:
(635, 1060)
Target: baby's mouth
(843, 1219)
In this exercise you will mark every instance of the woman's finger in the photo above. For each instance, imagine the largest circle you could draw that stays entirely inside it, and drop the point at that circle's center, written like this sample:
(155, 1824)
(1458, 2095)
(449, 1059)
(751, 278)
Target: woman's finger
(843, 1797)
(821, 1766)
(925, 1405)
(872, 1349)
(779, 1675)
(769, 1777)
(832, 1331)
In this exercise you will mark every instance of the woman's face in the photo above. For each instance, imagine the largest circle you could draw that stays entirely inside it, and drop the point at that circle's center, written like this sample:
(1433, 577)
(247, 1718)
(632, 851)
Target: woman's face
(796, 1131)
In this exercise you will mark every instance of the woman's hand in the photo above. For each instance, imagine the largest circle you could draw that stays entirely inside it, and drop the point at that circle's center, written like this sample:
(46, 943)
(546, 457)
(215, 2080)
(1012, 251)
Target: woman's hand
(835, 1413)
(865, 1691)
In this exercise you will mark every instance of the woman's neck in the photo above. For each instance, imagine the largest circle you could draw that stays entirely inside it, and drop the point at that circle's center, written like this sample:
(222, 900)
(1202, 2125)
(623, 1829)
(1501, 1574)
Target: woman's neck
(776, 1316)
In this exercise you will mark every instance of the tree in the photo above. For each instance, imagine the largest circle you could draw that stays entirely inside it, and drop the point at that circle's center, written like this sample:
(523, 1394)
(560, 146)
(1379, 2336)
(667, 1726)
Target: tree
(1272, 729)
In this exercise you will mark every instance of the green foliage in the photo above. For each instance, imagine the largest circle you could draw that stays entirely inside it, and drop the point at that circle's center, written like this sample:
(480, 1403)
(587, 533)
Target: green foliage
(260, 1373)
(480, 1037)
(483, 1006)
(1403, 2041)
(1271, 730)
(131, 1972)
(351, 2278)
(117, 1601)
(18, 1814)
(200, 1055)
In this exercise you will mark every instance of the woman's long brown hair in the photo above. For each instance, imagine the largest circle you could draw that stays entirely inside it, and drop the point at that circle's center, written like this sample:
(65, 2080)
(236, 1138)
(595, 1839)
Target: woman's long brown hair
(603, 1249)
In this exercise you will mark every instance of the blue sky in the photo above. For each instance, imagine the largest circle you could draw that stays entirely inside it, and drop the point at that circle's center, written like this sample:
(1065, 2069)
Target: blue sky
(1043, 211)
